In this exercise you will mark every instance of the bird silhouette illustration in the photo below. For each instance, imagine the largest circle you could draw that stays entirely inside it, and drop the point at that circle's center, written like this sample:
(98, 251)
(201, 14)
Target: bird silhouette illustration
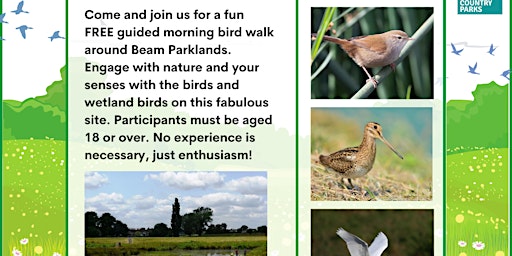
(455, 51)
(472, 70)
(20, 8)
(23, 29)
(492, 49)
(506, 74)
(55, 36)
(358, 247)
(2, 16)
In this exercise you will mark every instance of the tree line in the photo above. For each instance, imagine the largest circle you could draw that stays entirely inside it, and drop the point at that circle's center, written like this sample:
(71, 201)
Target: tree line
(104, 226)
(198, 222)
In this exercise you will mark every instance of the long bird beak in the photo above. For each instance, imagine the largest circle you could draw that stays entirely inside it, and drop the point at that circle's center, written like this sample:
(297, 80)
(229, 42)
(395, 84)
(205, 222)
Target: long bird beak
(390, 147)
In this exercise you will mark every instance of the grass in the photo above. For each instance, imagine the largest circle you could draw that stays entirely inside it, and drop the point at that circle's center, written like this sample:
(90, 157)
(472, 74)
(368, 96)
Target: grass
(390, 179)
(477, 202)
(257, 245)
(380, 184)
(34, 200)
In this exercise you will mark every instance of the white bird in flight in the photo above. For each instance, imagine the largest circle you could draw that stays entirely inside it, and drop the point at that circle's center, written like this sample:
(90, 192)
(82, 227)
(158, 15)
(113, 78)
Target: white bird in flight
(358, 247)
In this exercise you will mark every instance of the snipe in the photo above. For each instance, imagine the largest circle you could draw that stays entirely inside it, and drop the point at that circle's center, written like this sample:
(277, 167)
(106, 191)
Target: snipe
(355, 162)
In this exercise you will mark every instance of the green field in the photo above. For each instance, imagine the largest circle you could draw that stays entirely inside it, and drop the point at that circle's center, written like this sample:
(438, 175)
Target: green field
(255, 245)
(34, 197)
(477, 199)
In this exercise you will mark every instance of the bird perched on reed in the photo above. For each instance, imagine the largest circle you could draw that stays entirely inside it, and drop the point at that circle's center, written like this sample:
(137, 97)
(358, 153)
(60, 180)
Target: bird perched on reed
(373, 51)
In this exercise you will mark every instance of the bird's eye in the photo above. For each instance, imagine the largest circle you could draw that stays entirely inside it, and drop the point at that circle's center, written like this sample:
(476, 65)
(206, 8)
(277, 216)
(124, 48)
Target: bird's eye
(374, 127)
(399, 37)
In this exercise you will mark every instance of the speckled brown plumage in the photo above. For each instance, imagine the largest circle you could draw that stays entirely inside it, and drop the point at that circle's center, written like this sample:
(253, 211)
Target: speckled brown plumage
(355, 162)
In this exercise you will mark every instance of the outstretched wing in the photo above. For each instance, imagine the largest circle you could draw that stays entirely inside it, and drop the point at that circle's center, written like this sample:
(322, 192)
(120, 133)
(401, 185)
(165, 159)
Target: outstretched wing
(22, 31)
(356, 246)
(379, 244)
(20, 6)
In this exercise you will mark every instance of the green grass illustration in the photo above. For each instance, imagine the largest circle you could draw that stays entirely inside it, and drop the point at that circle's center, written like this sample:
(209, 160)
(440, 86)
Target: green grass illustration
(477, 173)
(477, 181)
(34, 198)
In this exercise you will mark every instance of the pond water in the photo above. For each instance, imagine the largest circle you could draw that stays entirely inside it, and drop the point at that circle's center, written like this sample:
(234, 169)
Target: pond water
(198, 253)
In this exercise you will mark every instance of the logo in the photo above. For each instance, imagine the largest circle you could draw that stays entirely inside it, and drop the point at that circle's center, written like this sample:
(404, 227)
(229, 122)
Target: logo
(479, 6)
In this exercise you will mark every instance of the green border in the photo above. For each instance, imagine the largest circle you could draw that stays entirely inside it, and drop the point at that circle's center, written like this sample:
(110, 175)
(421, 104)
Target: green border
(444, 128)
(445, 230)
(66, 225)
(1, 133)
(296, 123)
(296, 127)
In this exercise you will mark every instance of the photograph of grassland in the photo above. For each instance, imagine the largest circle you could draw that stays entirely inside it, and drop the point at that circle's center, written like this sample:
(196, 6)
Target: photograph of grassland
(176, 213)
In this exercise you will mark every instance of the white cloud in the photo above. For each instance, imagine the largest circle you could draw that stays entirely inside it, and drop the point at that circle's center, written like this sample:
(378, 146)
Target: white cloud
(256, 185)
(233, 209)
(95, 180)
(224, 199)
(236, 202)
(188, 180)
(103, 202)
(159, 212)
(143, 203)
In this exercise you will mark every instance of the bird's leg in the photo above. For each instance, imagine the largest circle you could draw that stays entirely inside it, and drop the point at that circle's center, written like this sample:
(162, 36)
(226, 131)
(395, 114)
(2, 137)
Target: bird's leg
(393, 66)
(350, 182)
(370, 78)
(345, 184)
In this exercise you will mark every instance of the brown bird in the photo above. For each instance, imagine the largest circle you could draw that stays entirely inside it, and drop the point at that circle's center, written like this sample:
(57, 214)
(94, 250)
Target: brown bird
(355, 162)
(372, 51)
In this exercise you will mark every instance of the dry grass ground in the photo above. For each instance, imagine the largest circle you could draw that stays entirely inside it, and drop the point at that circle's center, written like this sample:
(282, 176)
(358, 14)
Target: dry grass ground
(378, 184)
(390, 179)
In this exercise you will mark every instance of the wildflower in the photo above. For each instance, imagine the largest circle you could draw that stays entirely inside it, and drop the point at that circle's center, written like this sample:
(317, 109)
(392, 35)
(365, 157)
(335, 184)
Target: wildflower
(24, 241)
(16, 252)
(462, 243)
(478, 245)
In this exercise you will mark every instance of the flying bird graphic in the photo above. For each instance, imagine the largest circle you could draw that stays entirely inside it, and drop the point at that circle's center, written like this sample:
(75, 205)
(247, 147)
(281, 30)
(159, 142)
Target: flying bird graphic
(472, 70)
(19, 9)
(454, 50)
(506, 74)
(492, 49)
(55, 36)
(2, 16)
(23, 29)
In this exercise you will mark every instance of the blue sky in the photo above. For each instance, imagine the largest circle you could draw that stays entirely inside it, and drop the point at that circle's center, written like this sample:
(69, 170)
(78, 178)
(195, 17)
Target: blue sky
(143, 199)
